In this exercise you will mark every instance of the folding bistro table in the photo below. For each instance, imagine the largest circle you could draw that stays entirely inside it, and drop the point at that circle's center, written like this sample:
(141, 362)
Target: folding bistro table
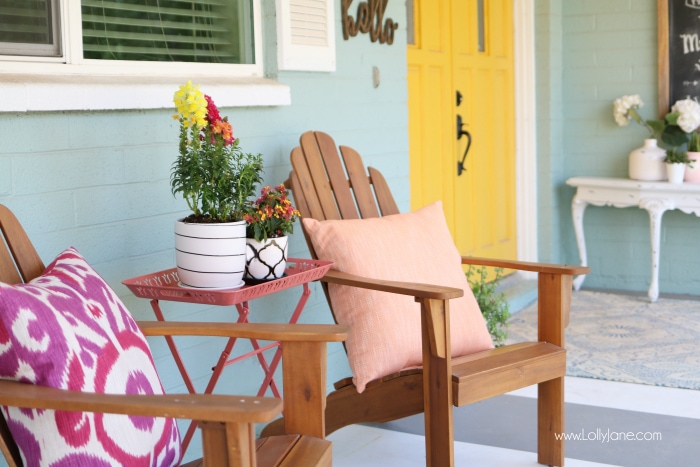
(165, 285)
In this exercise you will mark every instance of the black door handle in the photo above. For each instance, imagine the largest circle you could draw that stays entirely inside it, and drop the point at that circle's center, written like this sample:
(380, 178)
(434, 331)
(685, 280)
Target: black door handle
(462, 132)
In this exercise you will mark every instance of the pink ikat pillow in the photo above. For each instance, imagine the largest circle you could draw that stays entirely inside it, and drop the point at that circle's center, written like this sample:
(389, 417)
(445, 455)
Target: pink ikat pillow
(67, 329)
(385, 335)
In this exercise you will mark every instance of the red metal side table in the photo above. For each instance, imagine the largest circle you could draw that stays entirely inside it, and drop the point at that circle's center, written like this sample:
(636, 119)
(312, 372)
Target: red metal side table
(164, 285)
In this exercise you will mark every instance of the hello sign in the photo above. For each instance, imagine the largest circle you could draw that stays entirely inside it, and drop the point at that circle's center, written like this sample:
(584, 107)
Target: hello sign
(369, 19)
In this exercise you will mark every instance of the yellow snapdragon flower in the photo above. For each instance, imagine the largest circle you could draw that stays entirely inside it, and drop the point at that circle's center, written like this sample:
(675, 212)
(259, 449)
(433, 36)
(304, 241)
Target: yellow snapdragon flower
(191, 106)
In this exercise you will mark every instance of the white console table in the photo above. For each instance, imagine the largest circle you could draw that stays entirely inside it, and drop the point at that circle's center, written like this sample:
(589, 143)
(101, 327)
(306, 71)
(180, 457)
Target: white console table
(655, 197)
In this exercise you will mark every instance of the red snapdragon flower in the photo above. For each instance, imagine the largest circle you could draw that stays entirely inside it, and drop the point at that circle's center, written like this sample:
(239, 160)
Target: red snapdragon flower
(213, 115)
(217, 125)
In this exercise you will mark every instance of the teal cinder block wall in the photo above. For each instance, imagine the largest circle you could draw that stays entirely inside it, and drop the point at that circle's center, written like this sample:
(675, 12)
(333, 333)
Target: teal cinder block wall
(550, 124)
(588, 54)
(99, 181)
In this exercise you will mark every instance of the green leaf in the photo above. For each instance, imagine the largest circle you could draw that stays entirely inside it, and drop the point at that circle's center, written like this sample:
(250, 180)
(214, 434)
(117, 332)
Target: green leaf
(674, 136)
(657, 126)
(493, 305)
(672, 118)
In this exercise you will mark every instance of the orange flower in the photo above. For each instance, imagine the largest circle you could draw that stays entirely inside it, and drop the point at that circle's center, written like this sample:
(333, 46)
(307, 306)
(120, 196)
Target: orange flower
(271, 215)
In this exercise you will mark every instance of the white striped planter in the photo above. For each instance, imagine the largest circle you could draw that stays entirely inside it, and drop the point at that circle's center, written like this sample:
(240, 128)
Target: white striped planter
(210, 256)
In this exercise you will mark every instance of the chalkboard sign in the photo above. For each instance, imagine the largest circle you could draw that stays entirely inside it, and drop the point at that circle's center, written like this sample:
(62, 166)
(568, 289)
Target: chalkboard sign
(679, 51)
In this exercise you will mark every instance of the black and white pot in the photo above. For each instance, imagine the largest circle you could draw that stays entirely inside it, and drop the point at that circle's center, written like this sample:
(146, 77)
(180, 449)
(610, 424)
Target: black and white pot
(266, 260)
(210, 256)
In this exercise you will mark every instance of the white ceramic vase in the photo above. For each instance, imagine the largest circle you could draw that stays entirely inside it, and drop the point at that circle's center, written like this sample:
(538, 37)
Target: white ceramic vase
(647, 163)
(266, 260)
(210, 256)
(692, 174)
(675, 173)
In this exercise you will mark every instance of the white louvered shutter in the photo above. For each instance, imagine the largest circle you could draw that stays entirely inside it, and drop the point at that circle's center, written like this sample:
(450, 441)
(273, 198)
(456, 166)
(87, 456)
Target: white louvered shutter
(306, 35)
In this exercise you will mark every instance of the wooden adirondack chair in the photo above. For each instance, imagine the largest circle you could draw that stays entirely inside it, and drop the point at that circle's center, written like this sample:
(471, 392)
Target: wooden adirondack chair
(227, 422)
(322, 191)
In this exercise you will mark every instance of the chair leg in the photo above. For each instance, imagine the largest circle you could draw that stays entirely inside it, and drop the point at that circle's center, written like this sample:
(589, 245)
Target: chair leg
(304, 377)
(554, 295)
(437, 384)
(550, 422)
(228, 444)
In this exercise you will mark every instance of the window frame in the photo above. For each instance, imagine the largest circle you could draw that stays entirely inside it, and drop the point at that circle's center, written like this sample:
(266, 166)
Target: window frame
(70, 82)
(71, 62)
(20, 49)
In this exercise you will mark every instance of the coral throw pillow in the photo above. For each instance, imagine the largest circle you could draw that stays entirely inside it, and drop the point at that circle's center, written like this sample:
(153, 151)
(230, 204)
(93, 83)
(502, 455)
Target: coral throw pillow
(67, 329)
(385, 335)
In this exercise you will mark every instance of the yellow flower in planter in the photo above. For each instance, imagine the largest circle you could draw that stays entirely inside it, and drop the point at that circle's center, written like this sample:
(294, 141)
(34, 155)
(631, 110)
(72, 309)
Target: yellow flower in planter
(191, 106)
(212, 173)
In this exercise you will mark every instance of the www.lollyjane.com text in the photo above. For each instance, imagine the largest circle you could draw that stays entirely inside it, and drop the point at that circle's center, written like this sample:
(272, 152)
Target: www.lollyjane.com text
(607, 436)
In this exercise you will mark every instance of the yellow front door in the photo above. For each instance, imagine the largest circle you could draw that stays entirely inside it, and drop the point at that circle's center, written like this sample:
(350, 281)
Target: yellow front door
(460, 69)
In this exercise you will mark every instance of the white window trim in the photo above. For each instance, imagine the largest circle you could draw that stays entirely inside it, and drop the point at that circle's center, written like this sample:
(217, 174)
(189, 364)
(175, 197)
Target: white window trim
(70, 82)
(525, 131)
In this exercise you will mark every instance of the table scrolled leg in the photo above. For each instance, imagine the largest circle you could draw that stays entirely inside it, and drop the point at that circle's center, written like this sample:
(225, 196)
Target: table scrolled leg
(578, 206)
(656, 209)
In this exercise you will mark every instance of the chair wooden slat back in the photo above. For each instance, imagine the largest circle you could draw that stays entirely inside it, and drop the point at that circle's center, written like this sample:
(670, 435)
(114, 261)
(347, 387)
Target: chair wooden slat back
(385, 199)
(311, 206)
(323, 191)
(319, 148)
(26, 264)
(314, 167)
(360, 183)
(8, 271)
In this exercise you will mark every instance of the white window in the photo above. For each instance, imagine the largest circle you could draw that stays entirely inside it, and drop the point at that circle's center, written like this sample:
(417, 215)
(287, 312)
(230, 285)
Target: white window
(117, 54)
(30, 28)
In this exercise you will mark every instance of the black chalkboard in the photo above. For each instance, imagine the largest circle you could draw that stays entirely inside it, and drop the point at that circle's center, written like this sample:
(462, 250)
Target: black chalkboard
(682, 43)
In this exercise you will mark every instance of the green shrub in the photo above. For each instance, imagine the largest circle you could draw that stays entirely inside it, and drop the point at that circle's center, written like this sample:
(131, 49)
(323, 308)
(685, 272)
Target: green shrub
(494, 306)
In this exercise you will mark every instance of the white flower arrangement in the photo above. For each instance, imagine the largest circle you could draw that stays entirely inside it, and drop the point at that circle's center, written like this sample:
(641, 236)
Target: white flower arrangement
(625, 108)
(688, 114)
(675, 129)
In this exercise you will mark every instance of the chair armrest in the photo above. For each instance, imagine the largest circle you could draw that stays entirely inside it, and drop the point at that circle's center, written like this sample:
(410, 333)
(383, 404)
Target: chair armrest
(200, 407)
(554, 285)
(271, 332)
(227, 422)
(425, 291)
(526, 266)
(304, 360)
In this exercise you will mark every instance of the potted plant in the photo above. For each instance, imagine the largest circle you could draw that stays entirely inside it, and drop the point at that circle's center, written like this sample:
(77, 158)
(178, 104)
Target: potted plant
(676, 160)
(216, 179)
(681, 124)
(269, 220)
(645, 163)
(692, 170)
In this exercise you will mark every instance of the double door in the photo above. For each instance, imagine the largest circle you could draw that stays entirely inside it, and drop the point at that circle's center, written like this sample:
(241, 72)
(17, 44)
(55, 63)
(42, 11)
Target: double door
(461, 96)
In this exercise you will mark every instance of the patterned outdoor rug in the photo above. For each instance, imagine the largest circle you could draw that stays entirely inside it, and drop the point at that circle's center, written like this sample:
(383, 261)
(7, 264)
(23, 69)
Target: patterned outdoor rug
(625, 338)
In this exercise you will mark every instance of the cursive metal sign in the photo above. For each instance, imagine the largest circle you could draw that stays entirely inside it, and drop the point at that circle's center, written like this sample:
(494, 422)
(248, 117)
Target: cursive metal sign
(369, 19)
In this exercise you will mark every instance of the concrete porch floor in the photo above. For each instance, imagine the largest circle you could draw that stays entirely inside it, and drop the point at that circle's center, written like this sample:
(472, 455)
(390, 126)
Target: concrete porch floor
(488, 438)
(377, 446)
